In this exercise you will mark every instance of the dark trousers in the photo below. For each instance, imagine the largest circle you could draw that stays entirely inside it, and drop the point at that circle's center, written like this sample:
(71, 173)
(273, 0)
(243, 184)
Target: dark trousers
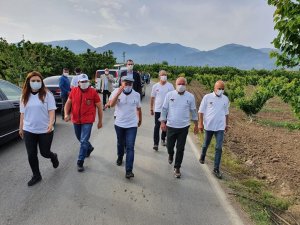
(63, 102)
(105, 94)
(178, 136)
(32, 141)
(157, 129)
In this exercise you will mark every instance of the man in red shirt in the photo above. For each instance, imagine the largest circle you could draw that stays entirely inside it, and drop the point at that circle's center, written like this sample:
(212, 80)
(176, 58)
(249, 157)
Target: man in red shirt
(82, 102)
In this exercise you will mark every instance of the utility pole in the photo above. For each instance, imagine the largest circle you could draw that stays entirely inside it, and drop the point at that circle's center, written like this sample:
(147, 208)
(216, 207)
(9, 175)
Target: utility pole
(124, 57)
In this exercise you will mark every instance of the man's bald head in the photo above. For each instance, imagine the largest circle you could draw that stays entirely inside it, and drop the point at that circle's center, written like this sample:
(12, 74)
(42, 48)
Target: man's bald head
(219, 86)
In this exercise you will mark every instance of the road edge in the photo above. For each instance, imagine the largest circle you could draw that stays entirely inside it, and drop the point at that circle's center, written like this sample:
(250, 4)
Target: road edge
(221, 195)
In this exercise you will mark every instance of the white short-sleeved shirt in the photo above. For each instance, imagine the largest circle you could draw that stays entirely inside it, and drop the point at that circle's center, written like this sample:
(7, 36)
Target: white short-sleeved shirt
(159, 92)
(179, 108)
(74, 82)
(126, 109)
(214, 110)
(36, 113)
(130, 75)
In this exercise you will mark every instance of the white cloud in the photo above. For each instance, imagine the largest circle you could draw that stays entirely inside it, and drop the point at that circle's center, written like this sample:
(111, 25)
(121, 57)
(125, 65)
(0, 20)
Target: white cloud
(143, 10)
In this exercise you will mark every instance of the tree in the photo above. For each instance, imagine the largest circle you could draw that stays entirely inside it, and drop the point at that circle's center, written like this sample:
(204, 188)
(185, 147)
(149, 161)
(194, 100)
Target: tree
(92, 61)
(4, 62)
(287, 23)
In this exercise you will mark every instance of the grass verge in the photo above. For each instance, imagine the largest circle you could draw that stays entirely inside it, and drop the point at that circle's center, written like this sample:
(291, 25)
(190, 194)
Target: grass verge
(254, 195)
(283, 124)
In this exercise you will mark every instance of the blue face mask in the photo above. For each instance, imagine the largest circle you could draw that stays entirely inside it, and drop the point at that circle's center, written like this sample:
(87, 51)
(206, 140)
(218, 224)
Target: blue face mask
(127, 89)
(35, 85)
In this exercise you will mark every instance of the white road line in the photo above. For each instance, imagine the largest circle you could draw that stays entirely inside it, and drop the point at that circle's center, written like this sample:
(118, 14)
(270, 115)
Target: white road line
(233, 216)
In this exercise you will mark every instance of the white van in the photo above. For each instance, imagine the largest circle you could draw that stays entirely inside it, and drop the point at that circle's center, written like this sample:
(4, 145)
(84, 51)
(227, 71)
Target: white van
(114, 72)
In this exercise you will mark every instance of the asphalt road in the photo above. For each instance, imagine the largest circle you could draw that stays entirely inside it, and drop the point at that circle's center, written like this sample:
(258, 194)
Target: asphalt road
(101, 194)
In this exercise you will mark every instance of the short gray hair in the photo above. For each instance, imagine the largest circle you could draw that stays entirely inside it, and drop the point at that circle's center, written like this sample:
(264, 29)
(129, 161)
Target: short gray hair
(162, 72)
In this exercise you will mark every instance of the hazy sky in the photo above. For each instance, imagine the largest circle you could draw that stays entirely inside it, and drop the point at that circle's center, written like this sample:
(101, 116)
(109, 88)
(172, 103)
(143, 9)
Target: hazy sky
(202, 24)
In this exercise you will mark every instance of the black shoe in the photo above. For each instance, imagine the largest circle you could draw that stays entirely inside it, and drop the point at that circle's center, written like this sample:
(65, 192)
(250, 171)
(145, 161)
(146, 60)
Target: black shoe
(217, 173)
(155, 147)
(80, 167)
(89, 151)
(119, 161)
(128, 175)
(170, 159)
(163, 143)
(177, 173)
(55, 161)
(34, 180)
(202, 160)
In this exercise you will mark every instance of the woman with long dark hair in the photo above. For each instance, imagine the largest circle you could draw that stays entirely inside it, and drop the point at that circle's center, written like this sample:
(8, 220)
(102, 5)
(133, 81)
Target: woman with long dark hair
(37, 108)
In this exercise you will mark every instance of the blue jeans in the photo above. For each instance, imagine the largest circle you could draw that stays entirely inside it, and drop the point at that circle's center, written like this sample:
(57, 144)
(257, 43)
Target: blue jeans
(83, 133)
(126, 135)
(219, 135)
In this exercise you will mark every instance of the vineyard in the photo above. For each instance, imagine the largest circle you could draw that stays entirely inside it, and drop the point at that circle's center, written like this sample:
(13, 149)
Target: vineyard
(264, 134)
(268, 145)
(265, 85)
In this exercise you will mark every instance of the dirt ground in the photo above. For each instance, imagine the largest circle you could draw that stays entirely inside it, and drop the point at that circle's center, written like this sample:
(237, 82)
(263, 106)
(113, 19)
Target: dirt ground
(271, 154)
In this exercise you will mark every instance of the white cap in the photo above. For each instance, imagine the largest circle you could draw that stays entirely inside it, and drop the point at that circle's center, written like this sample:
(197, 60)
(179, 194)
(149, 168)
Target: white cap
(83, 77)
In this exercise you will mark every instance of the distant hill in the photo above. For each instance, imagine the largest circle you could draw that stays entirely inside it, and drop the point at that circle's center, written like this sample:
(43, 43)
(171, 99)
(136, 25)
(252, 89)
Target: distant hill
(267, 50)
(76, 46)
(234, 55)
(149, 54)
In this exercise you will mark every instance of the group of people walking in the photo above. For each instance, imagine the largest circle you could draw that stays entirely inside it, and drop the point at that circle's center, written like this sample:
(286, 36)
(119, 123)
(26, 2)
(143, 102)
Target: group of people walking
(172, 108)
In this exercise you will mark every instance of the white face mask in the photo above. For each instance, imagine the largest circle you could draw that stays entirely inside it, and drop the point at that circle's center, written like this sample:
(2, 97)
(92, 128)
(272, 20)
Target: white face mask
(84, 85)
(180, 88)
(127, 89)
(65, 74)
(130, 67)
(35, 85)
(163, 78)
(219, 92)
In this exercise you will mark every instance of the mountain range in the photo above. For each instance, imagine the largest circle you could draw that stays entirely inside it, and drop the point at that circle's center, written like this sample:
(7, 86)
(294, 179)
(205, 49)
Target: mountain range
(234, 55)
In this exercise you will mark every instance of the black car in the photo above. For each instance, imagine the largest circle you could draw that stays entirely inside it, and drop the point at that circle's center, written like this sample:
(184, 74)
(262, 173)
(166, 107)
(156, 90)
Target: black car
(52, 83)
(146, 77)
(9, 111)
(143, 87)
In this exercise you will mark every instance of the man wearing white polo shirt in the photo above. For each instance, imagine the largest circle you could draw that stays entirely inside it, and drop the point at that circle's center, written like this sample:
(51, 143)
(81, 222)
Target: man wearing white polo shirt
(213, 118)
(175, 117)
(128, 117)
(158, 94)
(74, 82)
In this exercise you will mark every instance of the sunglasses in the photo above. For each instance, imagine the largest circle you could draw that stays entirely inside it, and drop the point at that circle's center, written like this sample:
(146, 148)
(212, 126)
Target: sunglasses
(35, 81)
(221, 89)
(130, 64)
